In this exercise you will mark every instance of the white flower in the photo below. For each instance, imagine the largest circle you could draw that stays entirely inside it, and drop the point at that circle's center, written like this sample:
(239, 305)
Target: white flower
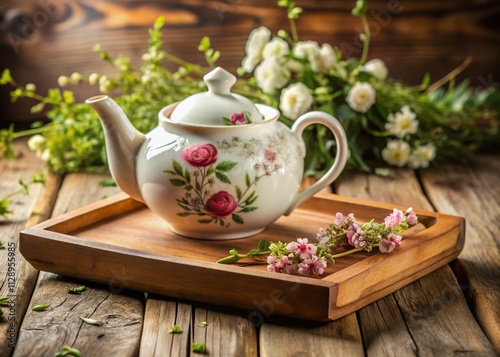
(323, 60)
(255, 45)
(402, 123)
(271, 74)
(376, 67)
(397, 152)
(295, 100)
(276, 47)
(45, 155)
(361, 97)
(36, 142)
(305, 49)
(422, 155)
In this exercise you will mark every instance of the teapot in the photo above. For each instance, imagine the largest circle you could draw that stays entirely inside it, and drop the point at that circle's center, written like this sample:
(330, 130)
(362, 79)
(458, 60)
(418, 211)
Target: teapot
(217, 166)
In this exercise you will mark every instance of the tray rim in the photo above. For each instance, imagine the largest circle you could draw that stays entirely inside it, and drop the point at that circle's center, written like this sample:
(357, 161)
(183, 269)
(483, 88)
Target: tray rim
(56, 230)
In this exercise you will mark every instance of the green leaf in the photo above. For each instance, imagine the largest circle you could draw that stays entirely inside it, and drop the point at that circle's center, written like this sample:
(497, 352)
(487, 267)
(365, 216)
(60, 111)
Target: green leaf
(175, 329)
(107, 183)
(41, 307)
(225, 166)
(248, 209)
(247, 180)
(187, 176)
(4, 301)
(184, 214)
(238, 192)
(202, 324)
(76, 290)
(177, 182)
(222, 177)
(177, 167)
(67, 351)
(6, 77)
(263, 245)
(90, 321)
(198, 347)
(204, 44)
(237, 219)
(204, 221)
(160, 21)
(210, 170)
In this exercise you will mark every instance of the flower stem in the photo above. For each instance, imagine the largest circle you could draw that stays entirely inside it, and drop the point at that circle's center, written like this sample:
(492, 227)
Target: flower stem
(349, 252)
(366, 38)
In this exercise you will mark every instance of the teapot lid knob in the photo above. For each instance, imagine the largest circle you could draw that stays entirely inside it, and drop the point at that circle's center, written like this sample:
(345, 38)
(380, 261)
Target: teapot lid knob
(219, 81)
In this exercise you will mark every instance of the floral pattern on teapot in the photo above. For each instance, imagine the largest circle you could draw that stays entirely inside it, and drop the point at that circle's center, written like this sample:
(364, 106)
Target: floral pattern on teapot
(202, 172)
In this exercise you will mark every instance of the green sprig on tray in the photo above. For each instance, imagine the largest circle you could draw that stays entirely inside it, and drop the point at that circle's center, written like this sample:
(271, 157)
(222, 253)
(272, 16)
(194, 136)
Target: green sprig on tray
(386, 122)
(310, 259)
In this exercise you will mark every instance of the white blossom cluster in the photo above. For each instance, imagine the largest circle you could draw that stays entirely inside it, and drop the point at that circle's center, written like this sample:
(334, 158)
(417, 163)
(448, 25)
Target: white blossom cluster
(277, 64)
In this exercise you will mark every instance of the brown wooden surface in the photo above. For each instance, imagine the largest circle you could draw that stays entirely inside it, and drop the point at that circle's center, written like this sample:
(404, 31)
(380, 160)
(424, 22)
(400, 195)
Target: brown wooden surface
(55, 37)
(451, 311)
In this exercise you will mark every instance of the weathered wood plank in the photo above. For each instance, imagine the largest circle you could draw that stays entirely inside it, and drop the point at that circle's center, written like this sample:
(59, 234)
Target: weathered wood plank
(302, 338)
(121, 312)
(472, 191)
(160, 316)
(225, 334)
(27, 211)
(443, 334)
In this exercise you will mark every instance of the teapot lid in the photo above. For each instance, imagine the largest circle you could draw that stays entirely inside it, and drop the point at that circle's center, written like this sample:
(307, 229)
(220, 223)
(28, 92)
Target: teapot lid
(217, 106)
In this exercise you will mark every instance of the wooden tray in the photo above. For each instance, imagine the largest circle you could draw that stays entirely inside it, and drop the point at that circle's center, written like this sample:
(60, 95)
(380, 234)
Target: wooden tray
(120, 242)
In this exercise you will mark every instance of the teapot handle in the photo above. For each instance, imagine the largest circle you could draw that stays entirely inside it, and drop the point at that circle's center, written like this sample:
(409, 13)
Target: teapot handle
(340, 157)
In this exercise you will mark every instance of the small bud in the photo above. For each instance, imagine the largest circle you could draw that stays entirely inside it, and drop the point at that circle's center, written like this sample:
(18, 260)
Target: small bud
(30, 87)
(76, 78)
(63, 81)
(93, 78)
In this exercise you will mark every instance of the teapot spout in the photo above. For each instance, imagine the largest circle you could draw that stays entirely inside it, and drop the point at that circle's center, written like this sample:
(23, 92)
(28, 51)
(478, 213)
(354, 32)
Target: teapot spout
(122, 143)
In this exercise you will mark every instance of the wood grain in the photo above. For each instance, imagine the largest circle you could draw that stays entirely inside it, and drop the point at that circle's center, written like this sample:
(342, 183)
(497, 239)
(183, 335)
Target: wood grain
(447, 336)
(412, 37)
(26, 211)
(121, 312)
(160, 316)
(299, 338)
(473, 191)
(226, 333)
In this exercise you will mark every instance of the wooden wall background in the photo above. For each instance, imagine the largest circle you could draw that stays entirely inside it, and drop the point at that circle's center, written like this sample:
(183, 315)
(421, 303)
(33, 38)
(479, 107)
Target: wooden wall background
(42, 39)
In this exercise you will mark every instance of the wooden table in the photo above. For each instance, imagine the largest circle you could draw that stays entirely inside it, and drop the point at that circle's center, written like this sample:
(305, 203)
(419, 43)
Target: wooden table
(453, 311)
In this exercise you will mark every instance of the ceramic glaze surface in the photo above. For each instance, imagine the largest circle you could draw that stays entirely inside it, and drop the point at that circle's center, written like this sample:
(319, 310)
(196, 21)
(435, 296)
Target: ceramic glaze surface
(226, 179)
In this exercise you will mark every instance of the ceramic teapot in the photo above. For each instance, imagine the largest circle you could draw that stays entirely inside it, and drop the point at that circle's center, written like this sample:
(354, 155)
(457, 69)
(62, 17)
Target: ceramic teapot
(217, 166)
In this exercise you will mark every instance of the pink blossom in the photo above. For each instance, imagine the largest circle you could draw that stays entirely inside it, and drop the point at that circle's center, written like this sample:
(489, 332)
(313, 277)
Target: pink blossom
(322, 237)
(270, 156)
(302, 247)
(238, 118)
(351, 231)
(394, 219)
(358, 238)
(281, 265)
(411, 217)
(312, 266)
(392, 241)
(341, 220)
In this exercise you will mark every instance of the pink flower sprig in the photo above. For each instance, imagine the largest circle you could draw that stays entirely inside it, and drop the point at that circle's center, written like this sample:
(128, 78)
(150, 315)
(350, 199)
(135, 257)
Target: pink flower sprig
(307, 258)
